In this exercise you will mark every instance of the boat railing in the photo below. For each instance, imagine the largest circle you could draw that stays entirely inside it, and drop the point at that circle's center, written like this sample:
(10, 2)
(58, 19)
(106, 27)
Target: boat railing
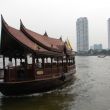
(10, 74)
(47, 76)
(53, 70)
(42, 76)
(60, 69)
(18, 73)
(49, 72)
(1, 75)
(71, 67)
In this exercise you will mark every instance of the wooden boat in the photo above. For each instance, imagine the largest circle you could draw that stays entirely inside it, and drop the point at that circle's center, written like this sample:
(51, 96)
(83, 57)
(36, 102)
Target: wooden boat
(101, 56)
(52, 61)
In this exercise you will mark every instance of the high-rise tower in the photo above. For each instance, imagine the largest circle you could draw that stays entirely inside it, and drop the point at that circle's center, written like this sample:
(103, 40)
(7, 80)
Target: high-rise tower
(82, 35)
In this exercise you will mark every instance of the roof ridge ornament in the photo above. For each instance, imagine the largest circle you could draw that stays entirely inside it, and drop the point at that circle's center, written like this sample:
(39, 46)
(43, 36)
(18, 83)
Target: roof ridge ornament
(60, 38)
(2, 20)
(45, 34)
(21, 24)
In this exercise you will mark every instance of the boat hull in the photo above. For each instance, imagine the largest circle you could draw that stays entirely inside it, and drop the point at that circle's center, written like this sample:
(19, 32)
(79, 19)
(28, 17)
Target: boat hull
(34, 86)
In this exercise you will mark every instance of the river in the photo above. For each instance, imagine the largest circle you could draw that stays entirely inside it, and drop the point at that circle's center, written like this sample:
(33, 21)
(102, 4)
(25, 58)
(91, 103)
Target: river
(89, 90)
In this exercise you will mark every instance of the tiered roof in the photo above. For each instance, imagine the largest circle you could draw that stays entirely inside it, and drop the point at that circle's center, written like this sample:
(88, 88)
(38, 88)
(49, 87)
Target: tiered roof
(44, 40)
(20, 42)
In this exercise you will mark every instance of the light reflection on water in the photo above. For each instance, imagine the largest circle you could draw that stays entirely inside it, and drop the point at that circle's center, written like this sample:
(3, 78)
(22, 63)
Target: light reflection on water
(89, 90)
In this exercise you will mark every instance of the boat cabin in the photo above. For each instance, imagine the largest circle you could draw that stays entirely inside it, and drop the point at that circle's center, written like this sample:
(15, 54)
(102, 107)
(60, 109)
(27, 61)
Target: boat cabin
(28, 55)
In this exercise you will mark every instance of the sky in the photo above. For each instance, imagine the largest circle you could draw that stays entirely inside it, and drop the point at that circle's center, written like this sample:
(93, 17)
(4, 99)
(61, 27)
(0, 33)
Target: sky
(58, 17)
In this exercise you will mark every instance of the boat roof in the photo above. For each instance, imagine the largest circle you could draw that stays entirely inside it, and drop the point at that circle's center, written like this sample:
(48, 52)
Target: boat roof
(18, 43)
(46, 41)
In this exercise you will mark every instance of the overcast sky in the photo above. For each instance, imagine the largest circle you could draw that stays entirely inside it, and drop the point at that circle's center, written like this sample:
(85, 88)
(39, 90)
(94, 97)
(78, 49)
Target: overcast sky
(58, 17)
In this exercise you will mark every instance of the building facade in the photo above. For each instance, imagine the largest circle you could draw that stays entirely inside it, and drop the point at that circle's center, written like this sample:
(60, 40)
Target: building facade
(82, 35)
(98, 47)
(109, 33)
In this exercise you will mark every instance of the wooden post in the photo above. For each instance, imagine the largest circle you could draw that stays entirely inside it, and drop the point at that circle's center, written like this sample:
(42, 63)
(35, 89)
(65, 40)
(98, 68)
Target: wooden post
(33, 60)
(62, 63)
(33, 65)
(20, 61)
(57, 65)
(15, 69)
(44, 63)
(43, 66)
(51, 63)
(26, 62)
(3, 62)
(66, 63)
(73, 60)
(5, 77)
(46, 60)
(70, 61)
(37, 61)
(15, 62)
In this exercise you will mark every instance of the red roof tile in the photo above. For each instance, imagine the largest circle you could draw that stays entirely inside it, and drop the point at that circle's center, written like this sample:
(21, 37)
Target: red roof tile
(45, 40)
(22, 38)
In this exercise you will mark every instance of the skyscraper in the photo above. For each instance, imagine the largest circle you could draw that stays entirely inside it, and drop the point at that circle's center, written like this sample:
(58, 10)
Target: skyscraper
(82, 35)
(109, 33)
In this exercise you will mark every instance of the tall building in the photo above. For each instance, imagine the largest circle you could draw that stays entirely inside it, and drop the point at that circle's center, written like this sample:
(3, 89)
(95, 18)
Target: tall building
(109, 33)
(82, 35)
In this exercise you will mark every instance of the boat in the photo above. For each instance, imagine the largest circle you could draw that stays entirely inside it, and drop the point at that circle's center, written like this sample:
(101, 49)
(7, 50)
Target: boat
(101, 56)
(45, 64)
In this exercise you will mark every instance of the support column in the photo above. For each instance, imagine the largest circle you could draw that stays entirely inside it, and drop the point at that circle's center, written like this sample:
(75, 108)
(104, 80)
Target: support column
(62, 61)
(3, 62)
(46, 60)
(73, 61)
(5, 77)
(33, 65)
(33, 60)
(20, 61)
(66, 63)
(69, 61)
(26, 62)
(43, 63)
(15, 62)
(51, 63)
(57, 65)
(37, 61)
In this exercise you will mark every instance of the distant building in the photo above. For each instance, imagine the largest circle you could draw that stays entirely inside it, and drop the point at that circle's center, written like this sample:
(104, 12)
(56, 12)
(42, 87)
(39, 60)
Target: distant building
(82, 35)
(109, 33)
(98, 47)
(92, 47)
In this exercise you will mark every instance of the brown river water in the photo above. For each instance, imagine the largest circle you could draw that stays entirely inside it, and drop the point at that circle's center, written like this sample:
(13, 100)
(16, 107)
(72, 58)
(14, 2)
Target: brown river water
(89, 90)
